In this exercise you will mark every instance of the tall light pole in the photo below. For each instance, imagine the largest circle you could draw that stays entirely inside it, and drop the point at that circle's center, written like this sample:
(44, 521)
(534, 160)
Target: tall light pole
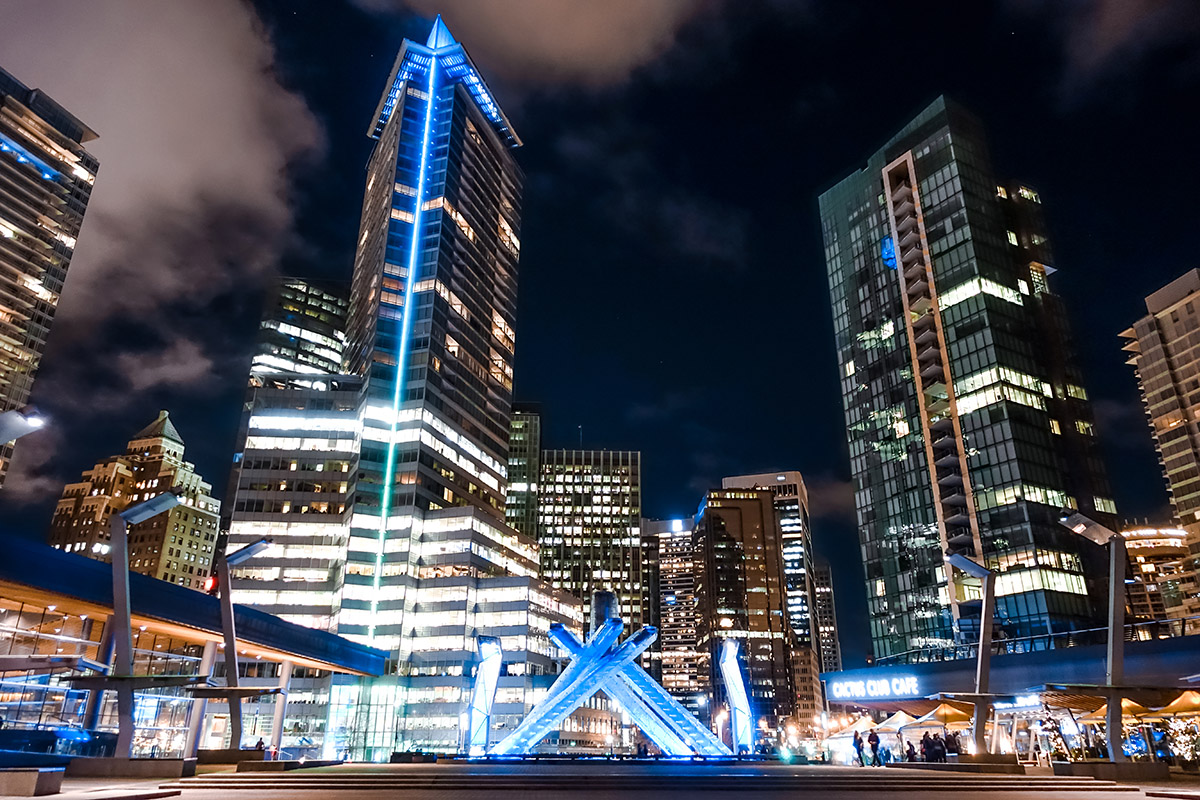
(16, 423)
(122, 635)
(1118, 563)
(983, 663)
(230, 633)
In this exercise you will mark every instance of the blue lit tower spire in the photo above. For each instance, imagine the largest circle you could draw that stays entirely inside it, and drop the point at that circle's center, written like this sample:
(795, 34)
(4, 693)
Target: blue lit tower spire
(431, 320)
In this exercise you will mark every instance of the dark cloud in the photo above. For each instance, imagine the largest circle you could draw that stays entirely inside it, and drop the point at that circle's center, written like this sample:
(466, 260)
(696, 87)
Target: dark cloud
(1103, 38)
(551, 41)
(831, 499)
(190, 210)
(1122, 424)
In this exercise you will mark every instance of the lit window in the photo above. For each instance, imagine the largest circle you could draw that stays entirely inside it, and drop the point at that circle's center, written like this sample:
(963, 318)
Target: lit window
(1012, 238)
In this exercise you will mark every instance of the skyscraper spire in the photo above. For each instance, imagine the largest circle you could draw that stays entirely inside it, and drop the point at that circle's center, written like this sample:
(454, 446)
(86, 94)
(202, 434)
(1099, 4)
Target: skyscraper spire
(440, 36)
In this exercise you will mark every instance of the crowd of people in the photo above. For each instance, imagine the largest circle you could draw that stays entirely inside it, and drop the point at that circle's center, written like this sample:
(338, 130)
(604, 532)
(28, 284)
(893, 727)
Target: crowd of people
(931, 749)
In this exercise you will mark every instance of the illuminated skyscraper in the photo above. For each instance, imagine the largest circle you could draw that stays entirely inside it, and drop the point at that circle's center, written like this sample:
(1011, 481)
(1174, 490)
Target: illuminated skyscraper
(685, 667)
(825, 616)
(175, 546)
(412, 554)
(968, 424)
(589, 530)
(46, 179)
(524, 468)
(1163, 351)
(741, 593)
(304, 331)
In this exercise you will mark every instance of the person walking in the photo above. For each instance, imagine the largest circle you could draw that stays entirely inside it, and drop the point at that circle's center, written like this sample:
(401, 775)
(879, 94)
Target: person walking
(910, 754)
(938, 745)
(926, 747)
(873, 740)
(858, 748)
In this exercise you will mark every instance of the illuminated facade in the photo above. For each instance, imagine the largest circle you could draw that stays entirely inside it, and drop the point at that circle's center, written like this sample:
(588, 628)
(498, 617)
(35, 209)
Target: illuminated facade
(825, 616)
(1162, 347)
(175, 546)
(791, 509)
(589, 531)
(303, 332)
(404, 545)
(741, 594)
(684, 666)
(967, 421)
(46, 179)
(524, 468)
(1157, 561)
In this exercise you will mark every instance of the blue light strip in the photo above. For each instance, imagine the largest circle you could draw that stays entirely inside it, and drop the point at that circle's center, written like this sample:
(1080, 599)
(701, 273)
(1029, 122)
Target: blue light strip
(389, 473)
(8, 145)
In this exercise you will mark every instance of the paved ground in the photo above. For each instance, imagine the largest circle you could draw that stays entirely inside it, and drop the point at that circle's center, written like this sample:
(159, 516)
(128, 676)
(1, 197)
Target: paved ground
(602, 780)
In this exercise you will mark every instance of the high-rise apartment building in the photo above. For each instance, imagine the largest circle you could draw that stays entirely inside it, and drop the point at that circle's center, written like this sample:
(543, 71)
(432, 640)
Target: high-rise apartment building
(791, 510)
(175, 546)
(405, 545)
(1157, 559)
(589, 531)
(1163, 351)
(825, 617)
(968, 425)
(741, 593)
(684, 666)
(46, 179)
(304, 330)
(524, 468)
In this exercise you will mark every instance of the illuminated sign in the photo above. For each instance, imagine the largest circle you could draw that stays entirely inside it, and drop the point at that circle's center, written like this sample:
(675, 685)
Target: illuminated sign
(903, 686)
(1024, 701)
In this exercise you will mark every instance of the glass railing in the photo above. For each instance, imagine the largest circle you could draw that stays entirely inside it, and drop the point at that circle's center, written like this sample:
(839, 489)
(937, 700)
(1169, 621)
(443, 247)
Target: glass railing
(1134, 632)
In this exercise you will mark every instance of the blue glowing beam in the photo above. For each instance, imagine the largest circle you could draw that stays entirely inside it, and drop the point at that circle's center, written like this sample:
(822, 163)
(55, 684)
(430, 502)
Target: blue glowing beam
(652, 708)
(484, 694)
(24, 156)
(741, 723)
(406, 323)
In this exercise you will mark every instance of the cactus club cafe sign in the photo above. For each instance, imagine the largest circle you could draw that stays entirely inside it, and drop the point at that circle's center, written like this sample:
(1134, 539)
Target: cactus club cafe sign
(875, 688)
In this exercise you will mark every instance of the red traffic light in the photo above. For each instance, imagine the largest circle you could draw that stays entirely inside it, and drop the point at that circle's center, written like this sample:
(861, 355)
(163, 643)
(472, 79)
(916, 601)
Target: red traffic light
(210, 584)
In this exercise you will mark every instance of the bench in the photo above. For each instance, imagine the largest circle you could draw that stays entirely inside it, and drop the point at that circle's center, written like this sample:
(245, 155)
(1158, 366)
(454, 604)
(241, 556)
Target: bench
(31, 781)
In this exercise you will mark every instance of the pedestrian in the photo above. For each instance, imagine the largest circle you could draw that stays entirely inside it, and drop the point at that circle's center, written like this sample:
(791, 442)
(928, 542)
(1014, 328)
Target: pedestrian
(926, 747)
(873, 740)
(911, 754)
(858, 748)
(938, 745)
(260, 745)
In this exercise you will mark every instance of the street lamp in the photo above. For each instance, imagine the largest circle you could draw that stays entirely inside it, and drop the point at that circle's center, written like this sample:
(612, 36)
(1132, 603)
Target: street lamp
(983, 664)
(221, 567)
(16, 423)
(122, 635)
(1118, 562)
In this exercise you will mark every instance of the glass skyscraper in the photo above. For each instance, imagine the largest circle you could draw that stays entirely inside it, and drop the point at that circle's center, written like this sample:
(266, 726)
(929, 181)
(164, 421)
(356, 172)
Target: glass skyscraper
(409, 550)
(968, 425)
(46, 178)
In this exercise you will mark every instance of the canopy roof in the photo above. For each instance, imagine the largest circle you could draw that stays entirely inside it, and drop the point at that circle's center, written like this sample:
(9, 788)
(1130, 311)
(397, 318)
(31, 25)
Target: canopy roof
(895, 722)
(944, 716)
(1128, 709)
(1186, 705)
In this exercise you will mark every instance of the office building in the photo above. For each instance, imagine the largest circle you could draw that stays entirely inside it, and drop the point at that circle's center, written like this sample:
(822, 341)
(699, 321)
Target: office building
(684, 666)
(175, 546)
(791, 509)
(1163, 352)
(406, 547)
(304, 330)
(524, 468)
(968, 425)
(741, 593)
(825, 617)
(589, 527)
(46, 178)
(1157, 558)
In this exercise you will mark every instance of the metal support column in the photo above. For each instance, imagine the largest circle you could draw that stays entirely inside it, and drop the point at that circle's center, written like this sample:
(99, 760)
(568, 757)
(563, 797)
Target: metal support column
(104, 654)
(1115, 665)
(280, 711)
(122, 634)
(231, 662)
(199, 705)
(983, 664)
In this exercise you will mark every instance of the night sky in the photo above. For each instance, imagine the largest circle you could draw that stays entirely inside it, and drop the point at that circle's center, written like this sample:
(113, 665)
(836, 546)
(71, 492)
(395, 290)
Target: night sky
(673, 296)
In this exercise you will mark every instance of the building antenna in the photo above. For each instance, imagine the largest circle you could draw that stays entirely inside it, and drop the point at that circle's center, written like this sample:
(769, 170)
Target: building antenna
(580, 437)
